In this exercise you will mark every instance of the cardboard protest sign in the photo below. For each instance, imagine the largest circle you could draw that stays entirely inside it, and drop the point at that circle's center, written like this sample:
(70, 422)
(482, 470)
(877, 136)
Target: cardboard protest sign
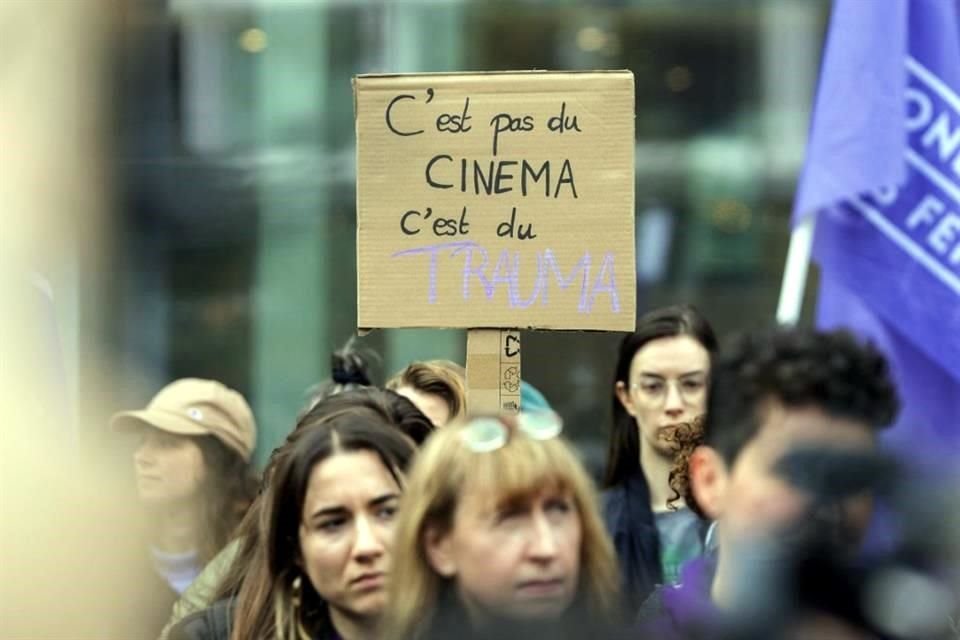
(493, 370)
(496, 200)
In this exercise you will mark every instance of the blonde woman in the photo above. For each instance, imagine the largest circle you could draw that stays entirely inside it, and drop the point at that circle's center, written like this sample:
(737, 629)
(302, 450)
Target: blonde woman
(499, 535)
(436, 387)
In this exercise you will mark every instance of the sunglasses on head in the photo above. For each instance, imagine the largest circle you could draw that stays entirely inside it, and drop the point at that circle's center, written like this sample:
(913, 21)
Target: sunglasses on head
(489, 433)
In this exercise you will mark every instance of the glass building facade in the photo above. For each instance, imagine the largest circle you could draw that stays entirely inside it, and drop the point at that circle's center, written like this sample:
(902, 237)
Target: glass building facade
(233, 232)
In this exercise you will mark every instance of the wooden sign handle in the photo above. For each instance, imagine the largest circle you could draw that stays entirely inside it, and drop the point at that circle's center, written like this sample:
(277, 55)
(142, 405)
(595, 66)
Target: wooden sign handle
(493, 371)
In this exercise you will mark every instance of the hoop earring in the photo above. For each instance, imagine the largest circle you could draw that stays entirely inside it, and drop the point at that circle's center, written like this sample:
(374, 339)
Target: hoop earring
(296, 601)
(296, 596)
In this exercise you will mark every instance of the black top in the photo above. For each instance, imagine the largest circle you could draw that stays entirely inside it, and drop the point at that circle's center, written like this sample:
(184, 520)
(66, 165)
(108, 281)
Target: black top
(216, 621)
(452, 622)
(629, 519)
(212, 623)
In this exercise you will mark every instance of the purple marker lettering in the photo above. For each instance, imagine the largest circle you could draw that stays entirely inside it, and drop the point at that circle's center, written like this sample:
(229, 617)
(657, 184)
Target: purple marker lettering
(606, 269)
(515, 302)
(501, 272)
(433, 251)
(470, 270)
(550, 262)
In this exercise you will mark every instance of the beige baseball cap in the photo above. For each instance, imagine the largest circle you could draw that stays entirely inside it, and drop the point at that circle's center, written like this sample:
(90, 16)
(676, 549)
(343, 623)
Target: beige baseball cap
(195, 407)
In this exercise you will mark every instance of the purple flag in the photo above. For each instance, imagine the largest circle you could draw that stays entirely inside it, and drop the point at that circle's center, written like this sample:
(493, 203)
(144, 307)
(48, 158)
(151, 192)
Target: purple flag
(882, 175)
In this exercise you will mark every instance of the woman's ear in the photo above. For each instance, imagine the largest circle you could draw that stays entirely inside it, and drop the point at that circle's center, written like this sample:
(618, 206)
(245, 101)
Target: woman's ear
(439, 548)
(623, 395)
(708, 480)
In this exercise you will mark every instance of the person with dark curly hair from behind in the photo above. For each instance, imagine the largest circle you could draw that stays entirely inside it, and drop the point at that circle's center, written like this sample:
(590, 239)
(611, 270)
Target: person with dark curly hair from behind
(772, 393)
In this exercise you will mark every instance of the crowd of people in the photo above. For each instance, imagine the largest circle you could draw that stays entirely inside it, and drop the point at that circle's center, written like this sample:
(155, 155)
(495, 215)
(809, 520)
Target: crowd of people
(396, 513)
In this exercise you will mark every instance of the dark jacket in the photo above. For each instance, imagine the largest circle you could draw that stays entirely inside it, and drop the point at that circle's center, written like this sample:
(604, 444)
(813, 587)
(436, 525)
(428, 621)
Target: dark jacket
(215, 623)
(452, 622)
(212, 623)
(636, 539)
(629, 520)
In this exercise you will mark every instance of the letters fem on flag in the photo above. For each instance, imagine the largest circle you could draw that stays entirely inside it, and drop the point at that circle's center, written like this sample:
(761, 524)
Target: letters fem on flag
(882, 178)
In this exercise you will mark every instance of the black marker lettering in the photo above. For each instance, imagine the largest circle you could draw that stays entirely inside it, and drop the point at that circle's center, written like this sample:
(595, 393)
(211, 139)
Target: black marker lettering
(503, 175)
(455, 122)
(561, 123)
(527, 169)
(390, 122)
(566, 177)
(478, 178)
(511, 229)
(429, 176)
(403, 223)
(503, 122)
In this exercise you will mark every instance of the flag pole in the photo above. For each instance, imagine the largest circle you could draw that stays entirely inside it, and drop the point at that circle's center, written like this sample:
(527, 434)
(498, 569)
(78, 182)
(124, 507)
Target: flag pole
(795, 272)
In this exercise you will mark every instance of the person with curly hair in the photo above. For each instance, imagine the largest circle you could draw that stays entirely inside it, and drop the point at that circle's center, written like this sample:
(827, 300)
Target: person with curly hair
(772, 394)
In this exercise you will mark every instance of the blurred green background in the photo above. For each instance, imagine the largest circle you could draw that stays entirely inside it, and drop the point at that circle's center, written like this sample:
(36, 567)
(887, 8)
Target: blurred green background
(233, 244)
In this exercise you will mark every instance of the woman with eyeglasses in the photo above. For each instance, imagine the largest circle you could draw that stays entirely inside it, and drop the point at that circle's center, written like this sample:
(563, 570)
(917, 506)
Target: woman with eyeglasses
(499, 536)
(660, 391)
(317, 564)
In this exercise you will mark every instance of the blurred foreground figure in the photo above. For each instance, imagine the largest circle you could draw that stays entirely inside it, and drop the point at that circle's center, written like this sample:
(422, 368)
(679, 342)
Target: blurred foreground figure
(194, 479)
(772, 395)
(58, 505)
(500, 536)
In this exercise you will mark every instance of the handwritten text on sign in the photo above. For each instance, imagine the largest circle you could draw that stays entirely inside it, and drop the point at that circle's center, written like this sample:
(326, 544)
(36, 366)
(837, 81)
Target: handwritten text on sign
(496, 200)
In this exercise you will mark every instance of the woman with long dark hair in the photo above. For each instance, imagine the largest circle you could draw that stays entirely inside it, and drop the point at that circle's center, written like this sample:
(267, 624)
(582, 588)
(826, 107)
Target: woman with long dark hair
(283, 583)
(349, 371)
(660, 387)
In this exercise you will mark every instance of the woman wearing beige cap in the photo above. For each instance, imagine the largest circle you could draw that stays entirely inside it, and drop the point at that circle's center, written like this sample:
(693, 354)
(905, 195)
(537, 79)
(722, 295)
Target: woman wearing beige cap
(194, 478)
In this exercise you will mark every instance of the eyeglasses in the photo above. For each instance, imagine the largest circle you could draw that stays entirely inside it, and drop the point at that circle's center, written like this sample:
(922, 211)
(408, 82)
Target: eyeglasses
(482, 435)
(690, 390)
